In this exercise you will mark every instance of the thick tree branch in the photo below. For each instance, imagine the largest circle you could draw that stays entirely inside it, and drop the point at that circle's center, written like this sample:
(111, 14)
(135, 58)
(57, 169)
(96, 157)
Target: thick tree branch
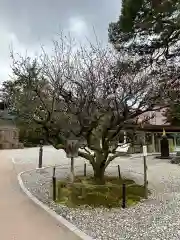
(117, 154)
(87, 156)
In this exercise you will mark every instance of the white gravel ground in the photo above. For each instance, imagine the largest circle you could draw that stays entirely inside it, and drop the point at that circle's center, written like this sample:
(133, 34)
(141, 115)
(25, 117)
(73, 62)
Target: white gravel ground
(156, 218)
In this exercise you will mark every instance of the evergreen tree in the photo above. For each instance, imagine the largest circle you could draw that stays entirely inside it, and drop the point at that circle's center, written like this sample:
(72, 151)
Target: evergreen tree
(148, 27)
(173, 115)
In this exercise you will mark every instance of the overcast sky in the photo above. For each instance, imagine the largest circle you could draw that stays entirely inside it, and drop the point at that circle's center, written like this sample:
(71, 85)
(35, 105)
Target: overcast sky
(26, 24)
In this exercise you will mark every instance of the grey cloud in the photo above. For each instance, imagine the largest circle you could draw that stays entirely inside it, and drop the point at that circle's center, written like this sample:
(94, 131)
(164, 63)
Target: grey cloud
(32, 20)
(28, 23)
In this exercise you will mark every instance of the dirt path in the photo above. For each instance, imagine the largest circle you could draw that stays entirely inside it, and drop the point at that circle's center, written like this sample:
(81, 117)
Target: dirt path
(20, 218)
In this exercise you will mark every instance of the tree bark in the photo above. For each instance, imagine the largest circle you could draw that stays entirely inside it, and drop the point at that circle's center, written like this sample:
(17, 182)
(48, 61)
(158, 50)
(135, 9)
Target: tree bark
(99, 172)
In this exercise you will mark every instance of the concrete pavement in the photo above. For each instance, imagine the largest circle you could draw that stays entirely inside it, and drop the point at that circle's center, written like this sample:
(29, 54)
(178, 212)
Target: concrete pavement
(20, 218)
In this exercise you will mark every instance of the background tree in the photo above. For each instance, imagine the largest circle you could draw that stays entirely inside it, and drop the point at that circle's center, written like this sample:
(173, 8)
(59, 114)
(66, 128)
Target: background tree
(171, 75)
(90, 94)
(148, 27)
(150, 32)
(12, 92)
(173, 115)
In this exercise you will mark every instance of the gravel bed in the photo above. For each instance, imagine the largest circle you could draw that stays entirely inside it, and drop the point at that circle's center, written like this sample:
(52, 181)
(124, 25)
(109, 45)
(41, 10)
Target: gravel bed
(157, 218)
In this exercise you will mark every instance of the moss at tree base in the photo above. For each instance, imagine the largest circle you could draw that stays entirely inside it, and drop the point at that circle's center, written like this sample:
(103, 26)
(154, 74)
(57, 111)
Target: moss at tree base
(84, 191)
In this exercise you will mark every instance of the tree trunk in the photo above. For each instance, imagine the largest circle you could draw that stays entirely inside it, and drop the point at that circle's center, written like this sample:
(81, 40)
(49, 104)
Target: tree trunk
(99, 172)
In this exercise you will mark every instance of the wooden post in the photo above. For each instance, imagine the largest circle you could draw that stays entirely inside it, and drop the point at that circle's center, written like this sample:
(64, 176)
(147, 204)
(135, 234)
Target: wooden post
(119, 172)
(84, 169)
(145, 179)
(145, 167)
(124, 195)
(54, 171)
(72, 152)
(54, 183)
(72, 169)
(40, 154)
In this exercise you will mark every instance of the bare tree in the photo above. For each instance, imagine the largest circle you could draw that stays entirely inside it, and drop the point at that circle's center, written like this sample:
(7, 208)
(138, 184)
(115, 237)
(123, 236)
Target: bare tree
(90, 94)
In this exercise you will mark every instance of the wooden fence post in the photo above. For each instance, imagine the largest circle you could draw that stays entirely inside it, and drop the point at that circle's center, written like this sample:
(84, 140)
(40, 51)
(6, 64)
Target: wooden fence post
(54, 183)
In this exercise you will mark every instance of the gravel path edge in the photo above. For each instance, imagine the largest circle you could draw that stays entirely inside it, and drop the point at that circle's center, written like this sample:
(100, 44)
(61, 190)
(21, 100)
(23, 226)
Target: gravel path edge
(63, 222)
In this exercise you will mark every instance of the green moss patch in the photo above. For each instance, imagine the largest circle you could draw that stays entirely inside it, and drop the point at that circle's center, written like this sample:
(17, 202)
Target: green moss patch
(84, 191)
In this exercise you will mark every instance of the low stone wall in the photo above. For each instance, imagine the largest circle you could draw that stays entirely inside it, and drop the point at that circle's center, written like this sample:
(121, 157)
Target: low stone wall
(11, 146)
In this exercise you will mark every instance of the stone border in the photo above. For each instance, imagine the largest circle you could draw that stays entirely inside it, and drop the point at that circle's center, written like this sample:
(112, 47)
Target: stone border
(59, 218)
(63, 222)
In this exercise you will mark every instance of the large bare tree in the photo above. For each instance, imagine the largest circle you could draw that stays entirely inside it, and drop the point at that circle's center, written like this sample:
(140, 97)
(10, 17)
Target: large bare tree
(87, 93)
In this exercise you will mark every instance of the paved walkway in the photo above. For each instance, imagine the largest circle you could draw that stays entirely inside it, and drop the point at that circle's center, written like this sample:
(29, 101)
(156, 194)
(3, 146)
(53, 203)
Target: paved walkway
(20, 218)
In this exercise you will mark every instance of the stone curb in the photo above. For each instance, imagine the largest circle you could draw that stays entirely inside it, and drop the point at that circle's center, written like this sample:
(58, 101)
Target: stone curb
(59, 218)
